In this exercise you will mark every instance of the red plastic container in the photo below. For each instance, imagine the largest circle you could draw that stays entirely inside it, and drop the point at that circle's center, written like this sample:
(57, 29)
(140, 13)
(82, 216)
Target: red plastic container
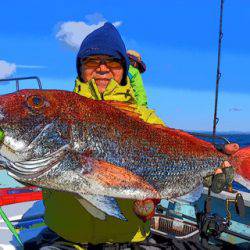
(16, 195)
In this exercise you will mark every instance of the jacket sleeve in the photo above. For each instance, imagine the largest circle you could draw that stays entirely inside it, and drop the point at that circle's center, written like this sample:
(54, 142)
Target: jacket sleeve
(138, 87)
(76, 88)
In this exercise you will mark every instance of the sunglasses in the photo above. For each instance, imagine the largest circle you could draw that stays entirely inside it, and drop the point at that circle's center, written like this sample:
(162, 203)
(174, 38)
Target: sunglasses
(109, 62)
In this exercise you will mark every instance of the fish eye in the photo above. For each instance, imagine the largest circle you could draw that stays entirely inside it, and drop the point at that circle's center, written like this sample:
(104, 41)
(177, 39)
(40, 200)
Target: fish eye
(35, 101)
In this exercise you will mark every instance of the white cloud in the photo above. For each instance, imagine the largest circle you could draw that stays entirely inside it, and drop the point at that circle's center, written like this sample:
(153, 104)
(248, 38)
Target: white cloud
(6, 69)
(235, 109)
(30, 66)
(117, 23)
(95, 18)
(72, 33)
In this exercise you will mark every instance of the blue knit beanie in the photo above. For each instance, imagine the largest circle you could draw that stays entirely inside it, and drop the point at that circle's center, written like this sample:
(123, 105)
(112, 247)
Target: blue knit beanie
(104, 41)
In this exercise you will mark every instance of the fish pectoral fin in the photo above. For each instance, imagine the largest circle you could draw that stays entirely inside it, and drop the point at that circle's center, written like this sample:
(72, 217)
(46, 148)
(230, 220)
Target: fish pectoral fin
(97, 213)
(99, 206)
(117, 180)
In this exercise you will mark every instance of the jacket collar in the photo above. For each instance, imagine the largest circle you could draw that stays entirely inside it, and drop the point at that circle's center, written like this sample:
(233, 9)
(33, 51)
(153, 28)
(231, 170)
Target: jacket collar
(113, 89)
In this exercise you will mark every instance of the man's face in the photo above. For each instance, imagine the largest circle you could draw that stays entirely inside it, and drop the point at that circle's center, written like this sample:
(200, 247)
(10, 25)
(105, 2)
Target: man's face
(102, 69)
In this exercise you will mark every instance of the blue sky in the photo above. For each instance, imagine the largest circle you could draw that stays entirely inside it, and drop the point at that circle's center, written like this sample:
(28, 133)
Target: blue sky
(177, 39)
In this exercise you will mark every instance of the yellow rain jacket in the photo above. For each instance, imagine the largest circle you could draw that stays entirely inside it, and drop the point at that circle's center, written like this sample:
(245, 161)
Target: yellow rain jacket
(68, 218)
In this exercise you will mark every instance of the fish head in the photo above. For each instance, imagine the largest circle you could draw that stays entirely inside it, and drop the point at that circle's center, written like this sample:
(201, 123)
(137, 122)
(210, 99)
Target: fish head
(31, 131)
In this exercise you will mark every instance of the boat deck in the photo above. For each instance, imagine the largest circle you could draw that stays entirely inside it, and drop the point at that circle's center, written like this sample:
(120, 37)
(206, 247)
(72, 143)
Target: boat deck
(27, 217)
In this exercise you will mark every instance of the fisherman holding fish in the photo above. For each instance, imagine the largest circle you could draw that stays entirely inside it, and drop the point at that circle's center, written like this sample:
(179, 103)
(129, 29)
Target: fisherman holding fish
(102, 67)
(73, 221)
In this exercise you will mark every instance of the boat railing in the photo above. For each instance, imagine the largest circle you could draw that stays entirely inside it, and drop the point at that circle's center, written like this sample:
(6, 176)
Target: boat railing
(18, 79)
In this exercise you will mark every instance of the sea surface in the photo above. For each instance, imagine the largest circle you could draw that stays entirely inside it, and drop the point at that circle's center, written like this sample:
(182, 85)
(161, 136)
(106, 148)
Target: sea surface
(243, 139)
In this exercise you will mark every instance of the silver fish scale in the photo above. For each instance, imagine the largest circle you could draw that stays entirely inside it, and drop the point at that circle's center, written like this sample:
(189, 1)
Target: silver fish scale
(39, 139)
(171, 176)
(160, 170)
(50, 140)
(63, 176)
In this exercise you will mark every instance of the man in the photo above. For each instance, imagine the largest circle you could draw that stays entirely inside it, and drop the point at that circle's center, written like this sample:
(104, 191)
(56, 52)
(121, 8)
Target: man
(102, 66)
(136, 68)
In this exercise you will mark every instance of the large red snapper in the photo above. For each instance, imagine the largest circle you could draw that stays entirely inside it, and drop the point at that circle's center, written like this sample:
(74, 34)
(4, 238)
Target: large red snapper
(60, 140)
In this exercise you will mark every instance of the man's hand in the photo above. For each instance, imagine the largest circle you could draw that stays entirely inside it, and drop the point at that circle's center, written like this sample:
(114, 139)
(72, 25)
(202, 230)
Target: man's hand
(231, 148)
(222, 177)
(145, 209)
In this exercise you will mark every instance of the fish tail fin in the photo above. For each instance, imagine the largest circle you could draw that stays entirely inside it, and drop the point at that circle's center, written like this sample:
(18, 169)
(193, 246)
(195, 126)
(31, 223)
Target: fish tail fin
(241, 161)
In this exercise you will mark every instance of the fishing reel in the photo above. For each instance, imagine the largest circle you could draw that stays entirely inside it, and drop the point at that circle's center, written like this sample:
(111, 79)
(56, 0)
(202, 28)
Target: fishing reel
(211, 225)
(239, 206)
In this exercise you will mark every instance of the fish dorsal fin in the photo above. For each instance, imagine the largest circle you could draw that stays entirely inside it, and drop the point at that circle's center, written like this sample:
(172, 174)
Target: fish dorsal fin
(129, 109)
(143, 114)
(132, 110)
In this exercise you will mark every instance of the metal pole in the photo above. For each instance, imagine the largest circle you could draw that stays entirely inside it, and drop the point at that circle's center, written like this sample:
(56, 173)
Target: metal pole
(17, 85)
(218, 75)
(17, 79)
(39, 82)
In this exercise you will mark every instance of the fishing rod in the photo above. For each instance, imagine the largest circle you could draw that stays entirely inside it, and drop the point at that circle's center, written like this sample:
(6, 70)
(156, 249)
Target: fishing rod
(218, 73)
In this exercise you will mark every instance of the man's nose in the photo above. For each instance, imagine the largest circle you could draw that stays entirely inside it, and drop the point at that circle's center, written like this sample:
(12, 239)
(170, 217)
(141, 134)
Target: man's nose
(103, 68)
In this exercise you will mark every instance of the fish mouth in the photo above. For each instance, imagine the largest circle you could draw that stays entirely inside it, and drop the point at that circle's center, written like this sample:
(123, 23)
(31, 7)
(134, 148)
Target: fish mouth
(16, 159)
(33, 168)
(11, 142)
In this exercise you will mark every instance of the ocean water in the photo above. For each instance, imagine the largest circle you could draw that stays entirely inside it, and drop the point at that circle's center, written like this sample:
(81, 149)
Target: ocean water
(242, 139)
